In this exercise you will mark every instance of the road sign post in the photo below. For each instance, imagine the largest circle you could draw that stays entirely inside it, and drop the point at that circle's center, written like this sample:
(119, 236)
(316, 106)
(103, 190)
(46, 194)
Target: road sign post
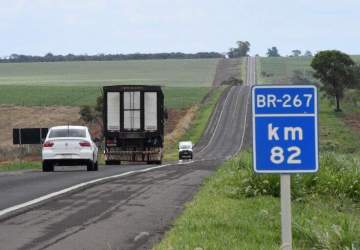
(285, 193)
(285, 138)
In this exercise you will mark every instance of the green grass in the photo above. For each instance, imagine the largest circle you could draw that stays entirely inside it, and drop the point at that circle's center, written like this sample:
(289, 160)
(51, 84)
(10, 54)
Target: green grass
(202, 119)
(173, 72)
(20, 166)
(334, 134)
(175, 97)
(218, 219)
(198, 125)
(236, 209)
(282, 68)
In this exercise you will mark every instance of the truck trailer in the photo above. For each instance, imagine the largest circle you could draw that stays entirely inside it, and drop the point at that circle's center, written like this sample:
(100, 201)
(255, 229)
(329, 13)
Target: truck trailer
(133, 119)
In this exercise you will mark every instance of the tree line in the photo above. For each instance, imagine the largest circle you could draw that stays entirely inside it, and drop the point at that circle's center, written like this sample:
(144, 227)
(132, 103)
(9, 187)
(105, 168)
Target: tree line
(49, 57)
(243, 47)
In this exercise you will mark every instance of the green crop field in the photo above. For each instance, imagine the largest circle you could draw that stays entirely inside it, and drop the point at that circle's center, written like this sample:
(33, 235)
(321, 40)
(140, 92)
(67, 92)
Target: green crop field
(172, 72)
(79, 83)
(280, 69)
(175, 97)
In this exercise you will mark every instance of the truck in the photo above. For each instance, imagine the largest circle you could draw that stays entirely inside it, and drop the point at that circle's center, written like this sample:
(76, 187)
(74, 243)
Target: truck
(133, 122)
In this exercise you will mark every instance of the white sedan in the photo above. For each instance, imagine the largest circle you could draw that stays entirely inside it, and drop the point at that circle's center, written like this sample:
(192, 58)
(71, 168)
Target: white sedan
(69, 146)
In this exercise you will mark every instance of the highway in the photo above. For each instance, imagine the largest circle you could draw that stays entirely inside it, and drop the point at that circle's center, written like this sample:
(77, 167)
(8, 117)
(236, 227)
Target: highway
(126, 207)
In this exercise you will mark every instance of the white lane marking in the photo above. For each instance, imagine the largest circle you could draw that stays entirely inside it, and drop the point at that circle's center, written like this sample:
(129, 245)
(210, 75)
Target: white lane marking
(218, 122)
(244, 127)
(84, 184)
(72, 188)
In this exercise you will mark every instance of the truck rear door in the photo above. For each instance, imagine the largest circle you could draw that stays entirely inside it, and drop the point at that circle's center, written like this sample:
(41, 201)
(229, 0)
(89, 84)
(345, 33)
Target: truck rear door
(132, 110)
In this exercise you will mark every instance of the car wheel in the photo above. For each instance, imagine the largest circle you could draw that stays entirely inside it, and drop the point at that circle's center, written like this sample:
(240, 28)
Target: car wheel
(90, 166)
(47, 167)
(96, 166)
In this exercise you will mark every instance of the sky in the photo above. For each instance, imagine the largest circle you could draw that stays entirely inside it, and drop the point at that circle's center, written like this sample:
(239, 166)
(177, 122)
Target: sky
(37, 27)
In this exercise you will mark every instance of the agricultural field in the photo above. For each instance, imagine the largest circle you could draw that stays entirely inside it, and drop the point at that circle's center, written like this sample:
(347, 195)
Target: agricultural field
(175, 97)
(278, 70)
(172, 72)
(79, 83)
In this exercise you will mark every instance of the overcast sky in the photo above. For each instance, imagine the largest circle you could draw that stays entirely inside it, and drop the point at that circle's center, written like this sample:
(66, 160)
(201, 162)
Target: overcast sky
(125, 26)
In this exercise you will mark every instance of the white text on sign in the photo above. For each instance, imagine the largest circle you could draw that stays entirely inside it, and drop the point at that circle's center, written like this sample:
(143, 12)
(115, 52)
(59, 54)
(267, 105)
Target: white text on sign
(286, 101)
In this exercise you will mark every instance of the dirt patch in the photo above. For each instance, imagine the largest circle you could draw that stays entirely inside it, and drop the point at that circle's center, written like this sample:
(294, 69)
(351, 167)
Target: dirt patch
(181, 125)
(174, 116)
(33, 117)
(30, 117)
(353, 120)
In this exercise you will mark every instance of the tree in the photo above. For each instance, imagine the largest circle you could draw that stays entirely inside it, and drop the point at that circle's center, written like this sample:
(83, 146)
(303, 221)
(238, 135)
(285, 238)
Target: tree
(296, 52)
(273, 52)
(308, 53)
(243, 47)
(336, 71)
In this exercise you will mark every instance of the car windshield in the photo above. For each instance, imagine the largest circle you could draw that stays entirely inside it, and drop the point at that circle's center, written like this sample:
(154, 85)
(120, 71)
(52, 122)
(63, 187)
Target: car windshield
(186, 146)
(68, 132)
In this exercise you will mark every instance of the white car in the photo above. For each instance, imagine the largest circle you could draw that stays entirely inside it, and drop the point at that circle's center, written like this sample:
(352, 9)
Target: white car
(69, 146)
(185, 150)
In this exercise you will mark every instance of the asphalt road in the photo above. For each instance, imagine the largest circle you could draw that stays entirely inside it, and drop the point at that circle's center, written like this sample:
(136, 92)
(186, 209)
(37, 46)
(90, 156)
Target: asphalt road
(130, 212)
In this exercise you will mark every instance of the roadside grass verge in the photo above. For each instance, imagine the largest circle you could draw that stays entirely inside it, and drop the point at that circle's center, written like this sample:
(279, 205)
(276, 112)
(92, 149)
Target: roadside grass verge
(237, 209)
(26, 165)
(197, 126)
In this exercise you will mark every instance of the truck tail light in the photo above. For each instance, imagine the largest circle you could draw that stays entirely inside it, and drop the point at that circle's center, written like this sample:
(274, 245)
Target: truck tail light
(48, 144)
(85, 144)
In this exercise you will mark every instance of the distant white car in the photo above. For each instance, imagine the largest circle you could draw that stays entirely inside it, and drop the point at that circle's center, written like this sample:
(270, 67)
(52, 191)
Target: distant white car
(69, 146)
(185, 150)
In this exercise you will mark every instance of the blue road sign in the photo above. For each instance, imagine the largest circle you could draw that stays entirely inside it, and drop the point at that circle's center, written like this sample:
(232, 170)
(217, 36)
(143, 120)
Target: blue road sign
(285, 129)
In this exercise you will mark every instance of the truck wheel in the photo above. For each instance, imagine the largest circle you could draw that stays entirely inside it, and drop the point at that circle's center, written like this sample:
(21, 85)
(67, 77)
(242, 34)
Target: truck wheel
(47, 167)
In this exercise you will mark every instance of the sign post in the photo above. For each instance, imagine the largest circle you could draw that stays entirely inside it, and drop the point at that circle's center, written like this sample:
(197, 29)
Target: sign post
(285, 138)
(285, 193)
